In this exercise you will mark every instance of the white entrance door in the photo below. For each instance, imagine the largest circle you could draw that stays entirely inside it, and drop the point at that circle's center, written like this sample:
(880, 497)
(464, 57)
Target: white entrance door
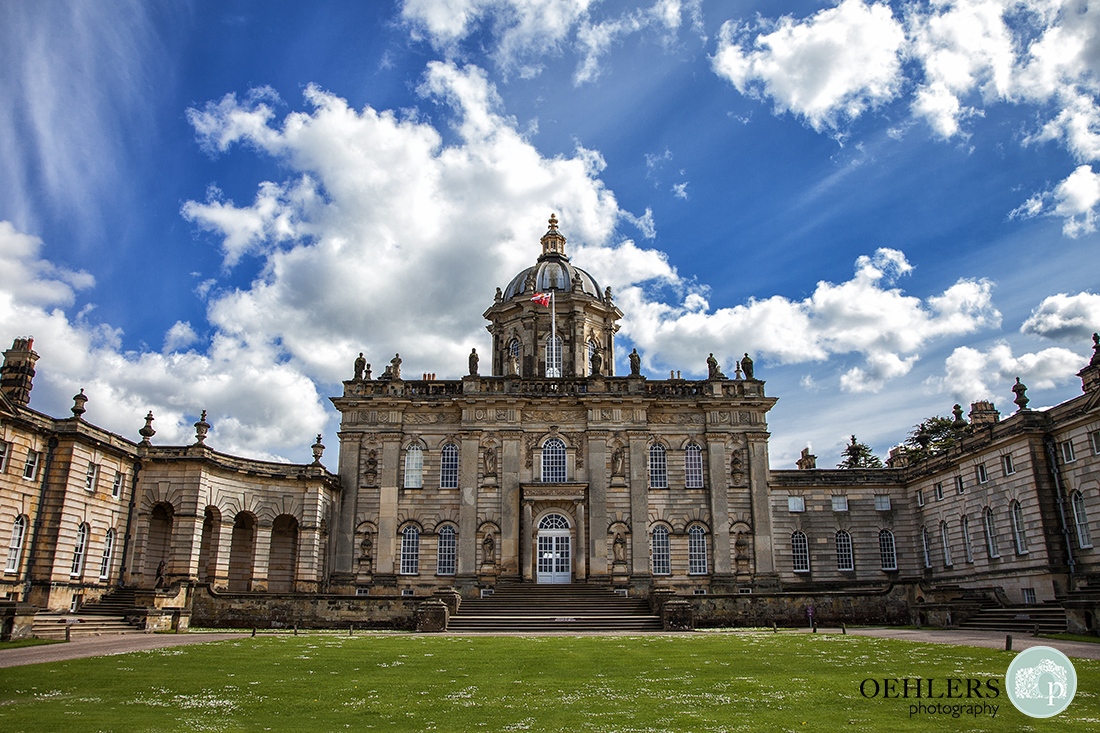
(553, 563)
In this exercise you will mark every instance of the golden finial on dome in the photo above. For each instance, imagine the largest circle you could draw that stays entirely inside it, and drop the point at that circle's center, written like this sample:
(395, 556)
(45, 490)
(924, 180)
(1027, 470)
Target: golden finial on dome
(553, 242)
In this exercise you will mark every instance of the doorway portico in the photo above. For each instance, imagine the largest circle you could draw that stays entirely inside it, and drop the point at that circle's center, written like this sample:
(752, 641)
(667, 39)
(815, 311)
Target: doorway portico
(554, 533)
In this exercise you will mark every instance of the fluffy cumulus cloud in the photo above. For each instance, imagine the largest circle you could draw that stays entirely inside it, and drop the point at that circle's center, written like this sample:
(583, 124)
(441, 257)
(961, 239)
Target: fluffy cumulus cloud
(827, 68)
(970, 374)
(863, 316)
(949, 61)
(1065, 317)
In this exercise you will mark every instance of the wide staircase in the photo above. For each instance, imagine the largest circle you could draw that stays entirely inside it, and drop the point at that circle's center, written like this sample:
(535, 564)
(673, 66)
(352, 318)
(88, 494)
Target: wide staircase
(1049, 617)
(530, 607)
(102, 617)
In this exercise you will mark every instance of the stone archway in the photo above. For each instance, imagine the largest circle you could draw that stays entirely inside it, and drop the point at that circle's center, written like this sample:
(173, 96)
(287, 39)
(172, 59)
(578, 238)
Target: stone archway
(553, 554)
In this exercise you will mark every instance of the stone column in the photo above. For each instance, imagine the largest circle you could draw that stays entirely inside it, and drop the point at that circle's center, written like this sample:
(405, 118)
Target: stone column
(597, 506)
(639, 505)
(261, 554)
(221, 538)
(761, 511)
(467, 509)
(581, 573)
(510, 525)
(186, 543)
(526, 530)
(718, 480)
(308, 571)
(387, 507)
(344, 529)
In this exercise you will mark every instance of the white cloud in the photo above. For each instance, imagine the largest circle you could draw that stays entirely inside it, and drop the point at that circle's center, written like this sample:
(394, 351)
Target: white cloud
(1074, 199)
(976, 375)
(26, 279)
(179, 336)
(827, 69)
(1065, 317)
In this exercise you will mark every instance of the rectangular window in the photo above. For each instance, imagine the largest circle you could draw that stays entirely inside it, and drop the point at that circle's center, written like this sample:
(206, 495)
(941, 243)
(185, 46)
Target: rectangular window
(800, 553)
(3, 456)
(967, 546)
(116, 485)
(410, 551)
(1007, 464)
(445, 552)
(1094, 440)
(981, 474)
(1068, 456)
(938, 488)
(448, 467)
(662, 555)
(959, 482)
(697, 551)
(844, 559)
(30, 468)
(920, 497)
(693, 467)
(796, 504)
(90, 477)
(840, 503)
(882, 502)
(1029, 595)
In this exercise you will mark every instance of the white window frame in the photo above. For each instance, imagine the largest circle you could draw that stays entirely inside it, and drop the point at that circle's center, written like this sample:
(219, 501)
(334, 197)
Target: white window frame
(5, 451)
(693, 466)
(948, 561)
(927, 553)
(800, 552)
(697, 550)
(661, 550)
(840, 502)
(1019, 533)
(1029, 596)
(80, 551)
(938, 489)
(882, 502)
(887, 550)
(448, 466)
(116, 484)
(553, 356)
(920, 497)
(1081, 520)
(1068, 454)
(968, 546)
(15, 544)
(446, 553)
(959, 487)
(91, 477)
(989, 523)
(410, 550)
(845, 559)
(658, 467)
(981, 473)
(553, 461)
(414, 467)
(30, 468)
(1094, 441)
(1007, 464)
(108, 551)
(796, 504)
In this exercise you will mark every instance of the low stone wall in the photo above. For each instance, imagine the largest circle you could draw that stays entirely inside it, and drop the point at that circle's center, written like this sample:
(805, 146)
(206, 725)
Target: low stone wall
(219, 609)
(890, 606)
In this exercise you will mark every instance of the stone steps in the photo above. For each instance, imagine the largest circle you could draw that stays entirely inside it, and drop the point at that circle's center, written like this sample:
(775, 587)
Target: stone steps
(529, 607)
(1049, 618)
(79, 624)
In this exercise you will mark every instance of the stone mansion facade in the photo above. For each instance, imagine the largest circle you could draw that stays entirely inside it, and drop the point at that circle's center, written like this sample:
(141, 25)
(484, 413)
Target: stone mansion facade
(550, 468)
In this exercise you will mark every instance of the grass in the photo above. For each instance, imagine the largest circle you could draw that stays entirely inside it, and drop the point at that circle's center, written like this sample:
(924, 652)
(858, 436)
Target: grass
(701, 682)
(27, 642)
(1072, 637)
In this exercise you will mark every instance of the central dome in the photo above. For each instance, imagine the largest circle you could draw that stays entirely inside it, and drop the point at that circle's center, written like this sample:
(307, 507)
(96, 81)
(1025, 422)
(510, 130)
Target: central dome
(553, 271)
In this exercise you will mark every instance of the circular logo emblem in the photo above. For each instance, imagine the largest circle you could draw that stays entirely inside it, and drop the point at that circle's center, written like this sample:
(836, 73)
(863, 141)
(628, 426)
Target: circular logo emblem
(1041, 682)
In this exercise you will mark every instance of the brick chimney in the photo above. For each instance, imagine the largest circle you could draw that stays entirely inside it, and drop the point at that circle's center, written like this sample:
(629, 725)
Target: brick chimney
(17, 373)
(983, 413)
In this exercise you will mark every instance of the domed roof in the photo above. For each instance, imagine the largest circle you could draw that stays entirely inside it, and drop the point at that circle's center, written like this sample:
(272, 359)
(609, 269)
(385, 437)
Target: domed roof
(552, 271)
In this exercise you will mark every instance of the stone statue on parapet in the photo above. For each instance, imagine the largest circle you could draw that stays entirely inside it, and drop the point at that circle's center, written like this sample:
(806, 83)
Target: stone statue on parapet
(395, 367)
(635, 364)
(607, 295)
(473, 362)
(498, 297)
(1020, 390)
(597, 363)
(360, 365)
(1095, 361)
(713, 372)
(746, 366)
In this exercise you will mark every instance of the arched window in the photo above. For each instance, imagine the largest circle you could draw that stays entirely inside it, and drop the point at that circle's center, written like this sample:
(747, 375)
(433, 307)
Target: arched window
(658, 467)
(697, 550)
(1019, 535)
(927, 553)
(591, 350)
(1081, 520)
(79, 550)
(968, 547)
(887, 555)
(448, 467)
(844, 559)
(553, 521)
(15, 546)
(990, 533)
(108, 550)
(800, 552)
(553, 356)
(414, 467)
(693, 466)
(947, 561)
(445, 553)
(410, 550)
(662, 555)
(553, 461)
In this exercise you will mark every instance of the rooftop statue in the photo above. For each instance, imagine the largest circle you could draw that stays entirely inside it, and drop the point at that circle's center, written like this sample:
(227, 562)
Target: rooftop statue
(473, 362)
(746, 366)
(360, 365)
(1020, 389)
(713, 372)
(635, 364)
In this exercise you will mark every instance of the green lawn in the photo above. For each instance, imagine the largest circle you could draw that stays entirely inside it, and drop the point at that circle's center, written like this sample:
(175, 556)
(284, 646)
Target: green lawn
(702, 682)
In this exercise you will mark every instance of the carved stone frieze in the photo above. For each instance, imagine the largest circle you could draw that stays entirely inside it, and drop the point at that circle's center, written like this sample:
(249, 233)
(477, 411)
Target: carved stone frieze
(677, 418)
(557, 416)
(427, 418)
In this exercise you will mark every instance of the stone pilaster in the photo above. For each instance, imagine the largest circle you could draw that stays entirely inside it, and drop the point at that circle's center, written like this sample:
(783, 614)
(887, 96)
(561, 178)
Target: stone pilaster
(388, 548)
(186, 542)
(761, 510)
(344, 557)
(718, 480)
(467, 509)
(581, 571)
(597, 506)
(510, 525)
(222, 538)
(526, 538)
(261, 557)
(639, 505)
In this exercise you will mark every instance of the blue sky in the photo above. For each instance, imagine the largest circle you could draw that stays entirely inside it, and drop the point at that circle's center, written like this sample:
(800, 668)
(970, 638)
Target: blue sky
(217, 205)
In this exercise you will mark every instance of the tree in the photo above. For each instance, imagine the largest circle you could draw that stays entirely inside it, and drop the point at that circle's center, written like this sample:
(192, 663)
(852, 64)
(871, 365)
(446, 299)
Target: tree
(931, 436)
(859, 455)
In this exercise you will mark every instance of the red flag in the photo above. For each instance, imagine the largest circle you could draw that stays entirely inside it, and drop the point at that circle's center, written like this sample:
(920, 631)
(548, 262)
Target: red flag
(541, 298)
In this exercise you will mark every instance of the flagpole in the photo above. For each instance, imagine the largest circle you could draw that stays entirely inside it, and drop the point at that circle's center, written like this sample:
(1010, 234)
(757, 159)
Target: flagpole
(554, 329)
